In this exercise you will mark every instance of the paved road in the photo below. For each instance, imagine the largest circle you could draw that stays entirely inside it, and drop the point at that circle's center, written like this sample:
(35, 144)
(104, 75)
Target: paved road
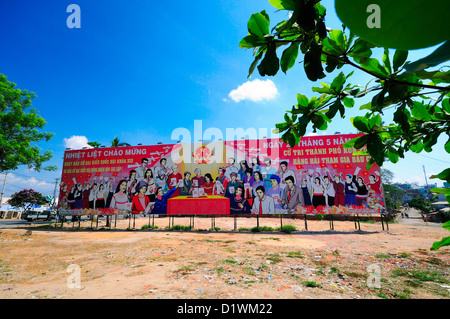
(415, 219)
(15, 223)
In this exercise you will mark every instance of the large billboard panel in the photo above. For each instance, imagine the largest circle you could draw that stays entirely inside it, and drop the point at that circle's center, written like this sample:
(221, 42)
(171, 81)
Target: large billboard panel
(264, 176)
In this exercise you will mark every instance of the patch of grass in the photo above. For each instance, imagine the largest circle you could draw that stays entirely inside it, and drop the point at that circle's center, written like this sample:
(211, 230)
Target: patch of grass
(312, 284)
(273, 238)
(263, 267)
(262, 229)
(243, 229)
(230, 261)
(406, 293)
(249, 271)
(434, 261)
(294, 254)
(382, 256)
(220, 270)
(212, 241)
(355, 274)
(179, 227)
(334, 270)
(144, 227)
(275, 258)
(420, 275)
(382, 295)
(288, 229)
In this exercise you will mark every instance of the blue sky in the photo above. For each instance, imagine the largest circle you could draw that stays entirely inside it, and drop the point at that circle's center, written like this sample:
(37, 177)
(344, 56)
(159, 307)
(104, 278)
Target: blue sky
(140, 69)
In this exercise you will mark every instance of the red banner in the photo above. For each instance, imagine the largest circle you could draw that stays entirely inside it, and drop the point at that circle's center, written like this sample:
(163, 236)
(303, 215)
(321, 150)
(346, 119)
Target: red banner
(265, 176)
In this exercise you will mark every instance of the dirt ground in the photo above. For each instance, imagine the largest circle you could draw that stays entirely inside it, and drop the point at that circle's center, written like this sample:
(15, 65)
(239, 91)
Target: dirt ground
(225, 264)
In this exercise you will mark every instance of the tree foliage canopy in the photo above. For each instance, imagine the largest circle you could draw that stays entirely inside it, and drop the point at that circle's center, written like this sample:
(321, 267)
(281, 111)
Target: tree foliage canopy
(419, 95)
(26, 199)
(20, 126)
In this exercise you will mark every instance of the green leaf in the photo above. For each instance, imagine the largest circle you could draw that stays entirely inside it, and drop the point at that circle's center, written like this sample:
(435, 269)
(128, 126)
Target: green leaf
(445, 191)
(332, 63)
(338, 83)
(386, 61)
(440, 55)
(443, 242)
(444, 175)
(350, 143)
(374, 66)
(392, 155)
(446, 105)
(336, 106)
(320, 121)
(302, 100)
(361, 124)
(270, 64)
(282, 126)
(417, 147)
(419, 111)
(331, 47)
(446, 225)
(375, 121)
(338, 37)
(289, 56)
(258, 24)
(375, 148)
(348, 102)
(251, 41)
(324, 89)
(313, 63)
(361, 50)
(283, 4)
(254, 64)
(361, 141)
(399, 59)
(397, 24)
(447, 146)
(435, 76)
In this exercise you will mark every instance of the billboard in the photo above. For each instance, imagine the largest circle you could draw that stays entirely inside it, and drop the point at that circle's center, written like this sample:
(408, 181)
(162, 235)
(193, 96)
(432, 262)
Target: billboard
(259, 176)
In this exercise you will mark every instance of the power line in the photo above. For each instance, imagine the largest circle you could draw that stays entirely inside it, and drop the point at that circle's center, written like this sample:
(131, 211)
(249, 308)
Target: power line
(434, 158)
(28, 176)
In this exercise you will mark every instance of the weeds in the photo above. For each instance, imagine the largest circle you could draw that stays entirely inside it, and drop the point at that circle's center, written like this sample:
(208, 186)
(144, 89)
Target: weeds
(288, 229)
(144, 227)
(420, 275)
(294, 254)
(312, 284)
(179, 227)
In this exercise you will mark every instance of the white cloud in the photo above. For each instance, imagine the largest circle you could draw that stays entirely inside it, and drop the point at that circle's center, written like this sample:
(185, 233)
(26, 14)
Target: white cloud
(255, 91)
(76, 142)
(26, 182)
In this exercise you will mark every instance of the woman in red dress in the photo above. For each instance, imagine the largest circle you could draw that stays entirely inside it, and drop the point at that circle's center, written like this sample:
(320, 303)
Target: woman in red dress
(208, 185)
(140, 202)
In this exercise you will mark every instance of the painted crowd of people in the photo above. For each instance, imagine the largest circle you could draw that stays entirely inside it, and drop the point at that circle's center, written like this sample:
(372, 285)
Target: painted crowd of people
(253, 188)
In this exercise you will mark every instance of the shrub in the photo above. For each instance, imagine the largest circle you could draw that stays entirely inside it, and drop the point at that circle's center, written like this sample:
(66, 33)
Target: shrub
(288, 229)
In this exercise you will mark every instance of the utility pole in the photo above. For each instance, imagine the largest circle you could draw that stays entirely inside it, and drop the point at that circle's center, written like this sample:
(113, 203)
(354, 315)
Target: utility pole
(52, 206)
(3, 189)
(426, 181)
